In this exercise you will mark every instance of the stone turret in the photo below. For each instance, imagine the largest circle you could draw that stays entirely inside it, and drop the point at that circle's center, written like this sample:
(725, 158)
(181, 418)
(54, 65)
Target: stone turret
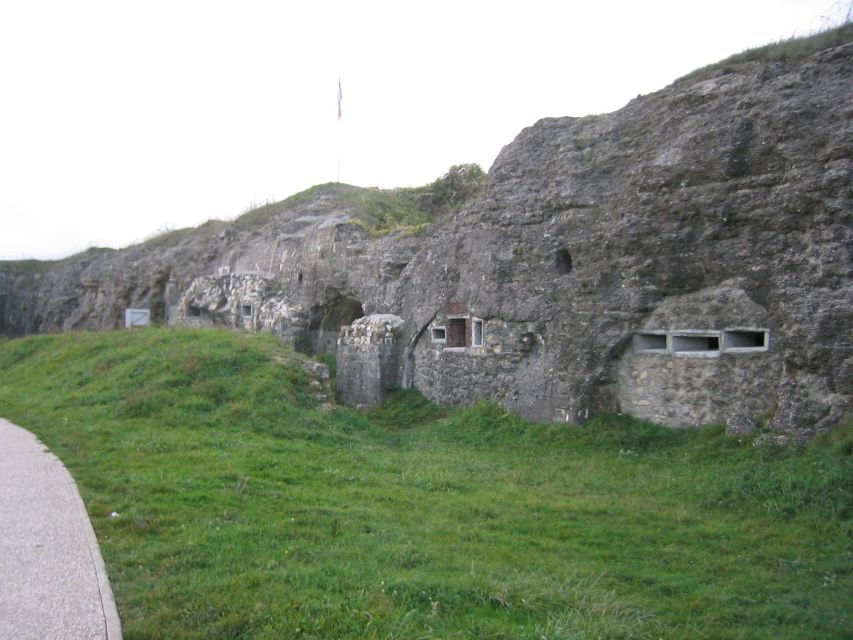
(368, 358)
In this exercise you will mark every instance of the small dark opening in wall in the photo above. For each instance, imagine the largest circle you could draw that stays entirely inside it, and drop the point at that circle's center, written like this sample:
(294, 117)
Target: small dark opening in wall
(527, 342)
(695, 343)
(563, 261)
(439, 334)
(650, 342)
(246, 311)
(195, 312)
(456, 334)
(299, 278)
(326, 321)
(743, 339)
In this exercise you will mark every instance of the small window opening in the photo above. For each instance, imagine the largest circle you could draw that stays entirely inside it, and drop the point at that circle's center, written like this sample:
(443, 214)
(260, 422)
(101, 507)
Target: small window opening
(195, 312)
(655, 342)
(745, 339)
(563, 261)
(246, 311)
(709, 344)
(476, 333)
(527, 342)
(439, 334)
(456, 334)
(299, 278)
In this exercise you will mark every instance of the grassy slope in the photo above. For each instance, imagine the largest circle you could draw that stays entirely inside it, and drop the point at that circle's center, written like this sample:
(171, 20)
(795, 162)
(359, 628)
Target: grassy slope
(381, 211)
(244, 513)
(789, 50)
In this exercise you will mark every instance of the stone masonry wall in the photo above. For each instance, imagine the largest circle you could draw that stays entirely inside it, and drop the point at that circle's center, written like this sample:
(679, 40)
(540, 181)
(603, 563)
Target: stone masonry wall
(507, 368)
(368, 359)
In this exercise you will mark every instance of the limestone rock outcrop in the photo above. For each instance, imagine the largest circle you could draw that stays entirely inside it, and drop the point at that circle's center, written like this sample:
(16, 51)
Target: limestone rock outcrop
(686, 259)
(720, 203)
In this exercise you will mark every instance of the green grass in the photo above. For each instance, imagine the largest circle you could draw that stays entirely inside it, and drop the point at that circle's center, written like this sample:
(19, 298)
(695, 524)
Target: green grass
(382, 211)
(378, 211)
(174, 236)
(31, 267)
(25, 267)
(788, 50)
(245, 513)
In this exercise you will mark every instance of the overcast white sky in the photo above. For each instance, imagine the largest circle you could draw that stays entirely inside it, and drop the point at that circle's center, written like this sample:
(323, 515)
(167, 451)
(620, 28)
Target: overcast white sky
(119, 118)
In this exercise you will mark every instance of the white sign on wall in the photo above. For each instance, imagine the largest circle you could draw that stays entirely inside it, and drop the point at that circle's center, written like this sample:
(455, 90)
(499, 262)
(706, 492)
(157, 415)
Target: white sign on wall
(136, 318)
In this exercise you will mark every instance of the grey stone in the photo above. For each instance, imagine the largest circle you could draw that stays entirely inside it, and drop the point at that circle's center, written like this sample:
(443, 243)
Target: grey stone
(368, 359)
(721, 203)
(740, 425)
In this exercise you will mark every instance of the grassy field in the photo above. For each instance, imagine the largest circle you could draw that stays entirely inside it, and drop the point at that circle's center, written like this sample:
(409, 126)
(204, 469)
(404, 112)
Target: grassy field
(245, 513)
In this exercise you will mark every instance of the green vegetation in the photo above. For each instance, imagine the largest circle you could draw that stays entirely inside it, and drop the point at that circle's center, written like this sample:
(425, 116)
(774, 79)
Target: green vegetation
(25, 267)
(38, 267)
(378, 211)
(242, 512)
(173, 236)
(382, 211)
(792, 49)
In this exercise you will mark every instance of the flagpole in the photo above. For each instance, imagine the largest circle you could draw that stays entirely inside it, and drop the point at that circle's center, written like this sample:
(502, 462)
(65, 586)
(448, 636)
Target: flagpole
(340, 97)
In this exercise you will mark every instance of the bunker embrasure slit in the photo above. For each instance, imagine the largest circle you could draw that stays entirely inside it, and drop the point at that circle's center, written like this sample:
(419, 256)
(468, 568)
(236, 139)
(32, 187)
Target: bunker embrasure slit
(699, 343)
(745, 340)
(650, 342)
(696, 344)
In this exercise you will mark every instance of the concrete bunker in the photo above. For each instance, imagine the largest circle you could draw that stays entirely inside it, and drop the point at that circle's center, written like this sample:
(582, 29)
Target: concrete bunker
(678, 373)
(465, 356)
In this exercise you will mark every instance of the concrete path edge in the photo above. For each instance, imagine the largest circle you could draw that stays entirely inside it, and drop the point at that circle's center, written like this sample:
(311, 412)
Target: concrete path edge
(111, 619)
(112, 622)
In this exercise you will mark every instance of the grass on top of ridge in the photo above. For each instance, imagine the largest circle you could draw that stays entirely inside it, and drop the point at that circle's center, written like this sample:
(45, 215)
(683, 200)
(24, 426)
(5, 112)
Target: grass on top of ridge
(383, 211)
(788, 49)
(245, 513)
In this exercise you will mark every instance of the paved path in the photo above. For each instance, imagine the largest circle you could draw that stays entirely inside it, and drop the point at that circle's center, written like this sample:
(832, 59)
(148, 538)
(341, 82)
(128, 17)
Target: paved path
(53, 585)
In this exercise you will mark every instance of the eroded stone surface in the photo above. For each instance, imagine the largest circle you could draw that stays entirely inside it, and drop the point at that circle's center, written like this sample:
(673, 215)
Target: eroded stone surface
(718, 203)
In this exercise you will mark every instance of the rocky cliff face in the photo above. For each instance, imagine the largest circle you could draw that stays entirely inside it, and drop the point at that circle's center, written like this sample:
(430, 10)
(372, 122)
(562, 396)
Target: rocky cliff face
(719, 203)
(685, 259)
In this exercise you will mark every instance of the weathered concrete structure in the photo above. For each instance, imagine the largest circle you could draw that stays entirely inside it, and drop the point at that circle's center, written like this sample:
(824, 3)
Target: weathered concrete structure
(687, 259)
(368, 358)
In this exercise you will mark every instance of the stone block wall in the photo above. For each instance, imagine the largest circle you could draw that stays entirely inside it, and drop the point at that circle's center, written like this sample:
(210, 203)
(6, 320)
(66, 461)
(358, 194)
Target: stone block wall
(662, 377)
(508, 368)
(368, 359)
